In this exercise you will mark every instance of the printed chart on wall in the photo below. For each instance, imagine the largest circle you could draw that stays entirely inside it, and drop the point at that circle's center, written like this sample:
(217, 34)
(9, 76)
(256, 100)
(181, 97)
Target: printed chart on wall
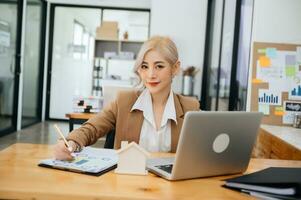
(276, 82)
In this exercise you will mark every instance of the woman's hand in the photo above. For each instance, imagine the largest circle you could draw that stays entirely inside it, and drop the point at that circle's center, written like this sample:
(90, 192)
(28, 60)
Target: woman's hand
(61, 152)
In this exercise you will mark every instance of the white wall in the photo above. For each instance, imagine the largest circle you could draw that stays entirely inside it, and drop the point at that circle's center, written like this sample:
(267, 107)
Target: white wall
(185, 23)
(143, 4)
(275, 21)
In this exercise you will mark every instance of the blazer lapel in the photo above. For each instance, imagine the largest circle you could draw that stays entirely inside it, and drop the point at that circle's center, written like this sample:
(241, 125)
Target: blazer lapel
(176, 128)
(135, 120)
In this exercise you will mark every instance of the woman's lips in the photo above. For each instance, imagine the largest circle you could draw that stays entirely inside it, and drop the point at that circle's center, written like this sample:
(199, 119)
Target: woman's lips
(153, 84)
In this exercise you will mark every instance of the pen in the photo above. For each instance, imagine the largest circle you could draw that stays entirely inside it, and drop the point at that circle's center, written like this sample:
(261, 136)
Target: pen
(62, 136)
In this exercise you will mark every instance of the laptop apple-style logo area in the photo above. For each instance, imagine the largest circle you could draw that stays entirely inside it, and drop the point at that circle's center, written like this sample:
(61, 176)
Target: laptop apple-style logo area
(221, 143)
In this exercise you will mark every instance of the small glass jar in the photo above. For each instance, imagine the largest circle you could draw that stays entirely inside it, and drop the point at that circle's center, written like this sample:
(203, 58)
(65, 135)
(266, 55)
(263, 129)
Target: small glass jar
(297, 120)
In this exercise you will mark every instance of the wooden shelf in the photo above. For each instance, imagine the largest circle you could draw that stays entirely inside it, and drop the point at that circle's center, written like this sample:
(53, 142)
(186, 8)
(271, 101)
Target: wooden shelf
(103, 45)
(134, 41)
(112, 45)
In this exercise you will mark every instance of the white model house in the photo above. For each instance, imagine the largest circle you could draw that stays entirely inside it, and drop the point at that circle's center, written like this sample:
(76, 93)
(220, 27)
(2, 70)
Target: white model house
(132, 159)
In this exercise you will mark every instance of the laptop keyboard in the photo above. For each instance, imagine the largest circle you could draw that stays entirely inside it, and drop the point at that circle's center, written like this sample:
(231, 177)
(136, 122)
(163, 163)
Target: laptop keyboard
(166, 168)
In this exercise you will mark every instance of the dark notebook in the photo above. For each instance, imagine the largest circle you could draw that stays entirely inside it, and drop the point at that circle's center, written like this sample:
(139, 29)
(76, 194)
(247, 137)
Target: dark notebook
(274, 180)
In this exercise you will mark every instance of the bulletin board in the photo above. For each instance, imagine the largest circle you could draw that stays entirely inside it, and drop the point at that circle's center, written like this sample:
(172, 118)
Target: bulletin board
(276, 82)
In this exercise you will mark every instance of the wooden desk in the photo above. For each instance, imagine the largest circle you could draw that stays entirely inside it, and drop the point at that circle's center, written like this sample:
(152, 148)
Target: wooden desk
(21, 178)
(78, 118)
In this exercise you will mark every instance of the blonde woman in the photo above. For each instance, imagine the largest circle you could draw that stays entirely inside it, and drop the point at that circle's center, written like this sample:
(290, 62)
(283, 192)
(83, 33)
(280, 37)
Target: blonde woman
(151, 117)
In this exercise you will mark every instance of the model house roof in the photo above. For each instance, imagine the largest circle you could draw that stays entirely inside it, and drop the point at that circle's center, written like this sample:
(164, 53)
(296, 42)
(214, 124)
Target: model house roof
(134, 145)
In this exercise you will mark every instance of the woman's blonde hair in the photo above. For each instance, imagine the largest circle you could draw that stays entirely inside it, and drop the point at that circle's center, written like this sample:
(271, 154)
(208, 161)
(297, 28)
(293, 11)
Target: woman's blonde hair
(164, 45)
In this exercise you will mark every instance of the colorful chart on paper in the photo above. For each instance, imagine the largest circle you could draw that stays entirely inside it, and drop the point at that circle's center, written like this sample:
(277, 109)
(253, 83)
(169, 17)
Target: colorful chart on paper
(90, 159)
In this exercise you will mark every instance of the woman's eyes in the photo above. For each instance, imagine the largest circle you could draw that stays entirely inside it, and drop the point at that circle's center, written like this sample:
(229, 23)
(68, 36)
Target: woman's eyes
(157, 66)
(160, 66)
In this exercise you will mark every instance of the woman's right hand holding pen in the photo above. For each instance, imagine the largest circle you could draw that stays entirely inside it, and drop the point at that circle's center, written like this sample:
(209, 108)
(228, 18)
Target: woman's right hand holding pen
(62, 152)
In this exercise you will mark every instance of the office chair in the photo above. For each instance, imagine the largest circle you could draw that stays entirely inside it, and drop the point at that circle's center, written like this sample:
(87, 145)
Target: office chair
(110, 138)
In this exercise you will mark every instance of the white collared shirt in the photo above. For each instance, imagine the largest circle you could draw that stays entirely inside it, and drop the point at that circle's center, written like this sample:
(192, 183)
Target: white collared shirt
(151, 139)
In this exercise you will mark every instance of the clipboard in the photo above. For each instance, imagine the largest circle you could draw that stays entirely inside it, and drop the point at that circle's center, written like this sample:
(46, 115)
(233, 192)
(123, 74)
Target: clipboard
(90, 161)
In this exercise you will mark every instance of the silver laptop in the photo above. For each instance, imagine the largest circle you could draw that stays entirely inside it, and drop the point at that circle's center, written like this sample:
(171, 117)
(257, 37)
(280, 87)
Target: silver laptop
(210, 144)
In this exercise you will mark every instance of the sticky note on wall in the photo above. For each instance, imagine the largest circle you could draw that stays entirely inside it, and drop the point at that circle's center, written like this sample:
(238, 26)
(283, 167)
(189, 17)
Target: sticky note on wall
(290, 71)
(261, 50)
(290, 59)
(264, 61)
(271, 52)
(279, 111)
(255, 80)
(264, 108)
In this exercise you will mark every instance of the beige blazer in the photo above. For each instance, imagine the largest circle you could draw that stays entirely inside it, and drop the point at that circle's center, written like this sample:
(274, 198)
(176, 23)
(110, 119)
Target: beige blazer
(128, 123)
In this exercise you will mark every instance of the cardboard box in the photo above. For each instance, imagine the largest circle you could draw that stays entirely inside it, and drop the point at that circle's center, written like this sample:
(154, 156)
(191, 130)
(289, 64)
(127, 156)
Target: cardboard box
(112, 25)
(107, 31)
(106, 35)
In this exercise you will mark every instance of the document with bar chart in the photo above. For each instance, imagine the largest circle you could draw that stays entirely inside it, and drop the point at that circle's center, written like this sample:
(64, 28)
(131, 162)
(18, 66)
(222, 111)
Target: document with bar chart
(295, 93)
(269, 97)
